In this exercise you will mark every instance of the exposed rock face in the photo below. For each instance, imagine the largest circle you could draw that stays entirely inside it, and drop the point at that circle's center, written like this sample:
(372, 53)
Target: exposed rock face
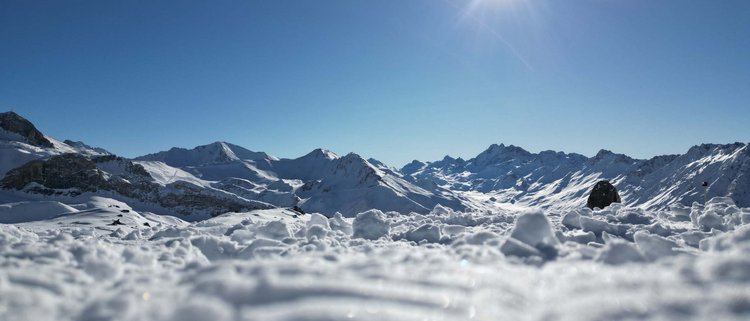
(14, 123)
(58, 172)
(603, 194)
(73, 174)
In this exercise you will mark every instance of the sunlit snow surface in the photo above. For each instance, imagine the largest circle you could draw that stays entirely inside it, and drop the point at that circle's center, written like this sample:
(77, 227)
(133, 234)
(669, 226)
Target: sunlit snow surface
(275, 265)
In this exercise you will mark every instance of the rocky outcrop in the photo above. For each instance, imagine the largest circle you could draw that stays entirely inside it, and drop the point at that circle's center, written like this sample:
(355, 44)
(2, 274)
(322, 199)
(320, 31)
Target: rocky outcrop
(59, 172)
(14, 123)
(74, 174)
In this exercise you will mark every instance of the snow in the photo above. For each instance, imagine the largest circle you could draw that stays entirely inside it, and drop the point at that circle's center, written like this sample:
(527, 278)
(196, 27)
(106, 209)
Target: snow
(444, 265)
(502, 236)
(559, 181)
(164, 174)
(32, 211)
(370, 225)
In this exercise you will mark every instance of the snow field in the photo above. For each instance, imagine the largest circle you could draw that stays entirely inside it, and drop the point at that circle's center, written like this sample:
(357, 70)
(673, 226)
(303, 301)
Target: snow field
(619, 263)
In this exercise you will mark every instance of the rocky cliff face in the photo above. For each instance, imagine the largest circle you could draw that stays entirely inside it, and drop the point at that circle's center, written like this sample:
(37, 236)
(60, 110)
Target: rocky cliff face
(14, 123)
(74, 174)
(58, 172)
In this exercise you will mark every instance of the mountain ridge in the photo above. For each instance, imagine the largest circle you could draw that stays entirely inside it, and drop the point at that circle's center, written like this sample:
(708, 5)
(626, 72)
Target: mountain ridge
(322, 181)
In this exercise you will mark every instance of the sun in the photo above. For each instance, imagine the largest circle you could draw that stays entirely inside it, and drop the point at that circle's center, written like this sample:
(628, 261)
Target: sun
(475, 5)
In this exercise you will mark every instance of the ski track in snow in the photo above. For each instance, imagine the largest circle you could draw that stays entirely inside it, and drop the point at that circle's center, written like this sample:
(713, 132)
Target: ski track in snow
(620, 263)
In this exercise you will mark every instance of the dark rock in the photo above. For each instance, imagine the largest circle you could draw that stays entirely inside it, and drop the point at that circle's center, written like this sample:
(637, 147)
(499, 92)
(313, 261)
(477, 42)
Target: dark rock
(146, 224)
(117, 222)
(125, 211)
(603, 194)
(74, 174)
(298, 209)
(59, 172)
(14, 123)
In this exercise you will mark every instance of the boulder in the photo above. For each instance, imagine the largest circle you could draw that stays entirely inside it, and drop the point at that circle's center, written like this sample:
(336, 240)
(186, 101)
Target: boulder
(603, 194)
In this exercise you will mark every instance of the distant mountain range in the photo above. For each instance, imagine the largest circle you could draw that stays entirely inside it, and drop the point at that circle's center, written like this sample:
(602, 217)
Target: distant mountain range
(559, 180)
(220, 177)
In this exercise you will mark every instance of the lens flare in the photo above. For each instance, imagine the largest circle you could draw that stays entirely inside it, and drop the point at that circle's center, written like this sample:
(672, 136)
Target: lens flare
(469, 12)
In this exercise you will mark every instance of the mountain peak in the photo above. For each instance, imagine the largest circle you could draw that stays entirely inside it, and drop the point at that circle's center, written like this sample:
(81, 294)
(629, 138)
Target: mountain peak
(213, 153)
(322, 154)
(605, 154)
(14, 123)
(500, 153)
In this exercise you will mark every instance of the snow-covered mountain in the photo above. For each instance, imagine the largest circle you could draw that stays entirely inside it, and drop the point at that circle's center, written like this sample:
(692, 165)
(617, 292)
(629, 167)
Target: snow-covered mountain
(39, 167)
(320, 181)
(220, 177)
(510, 174)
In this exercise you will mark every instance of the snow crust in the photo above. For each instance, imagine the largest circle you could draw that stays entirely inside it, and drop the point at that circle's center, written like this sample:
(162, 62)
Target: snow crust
(620, 263)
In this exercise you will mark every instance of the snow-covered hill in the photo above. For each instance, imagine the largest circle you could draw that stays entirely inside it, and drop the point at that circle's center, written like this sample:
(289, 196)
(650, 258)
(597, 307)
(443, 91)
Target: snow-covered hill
(510, 174)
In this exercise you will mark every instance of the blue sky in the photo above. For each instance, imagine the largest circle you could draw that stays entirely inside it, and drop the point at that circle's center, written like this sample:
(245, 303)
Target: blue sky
(393, 80)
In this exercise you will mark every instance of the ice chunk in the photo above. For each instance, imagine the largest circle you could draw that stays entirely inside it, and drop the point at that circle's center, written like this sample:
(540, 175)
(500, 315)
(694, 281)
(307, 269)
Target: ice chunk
(318, 219)
(654, 247)
(338, 223)
(426, 232)
(710, 220)
(597, 226)
(737, 238)
(533, 229)
(479, 238)
(680, 212)
(745, 216)
(317, 226)
(693, 238)
(452, 230)
(572, 220)
(371, 225)
(214, 248)
(633, 217)
(316, 231)
(617, 253)
(276, 230)
(580, 236)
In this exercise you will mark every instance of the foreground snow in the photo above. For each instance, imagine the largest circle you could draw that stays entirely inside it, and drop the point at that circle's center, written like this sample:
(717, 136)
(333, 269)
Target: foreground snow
(616, 264)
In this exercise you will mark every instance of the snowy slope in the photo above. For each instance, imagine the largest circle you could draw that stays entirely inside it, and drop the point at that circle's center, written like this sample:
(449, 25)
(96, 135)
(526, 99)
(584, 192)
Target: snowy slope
(559, 180)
